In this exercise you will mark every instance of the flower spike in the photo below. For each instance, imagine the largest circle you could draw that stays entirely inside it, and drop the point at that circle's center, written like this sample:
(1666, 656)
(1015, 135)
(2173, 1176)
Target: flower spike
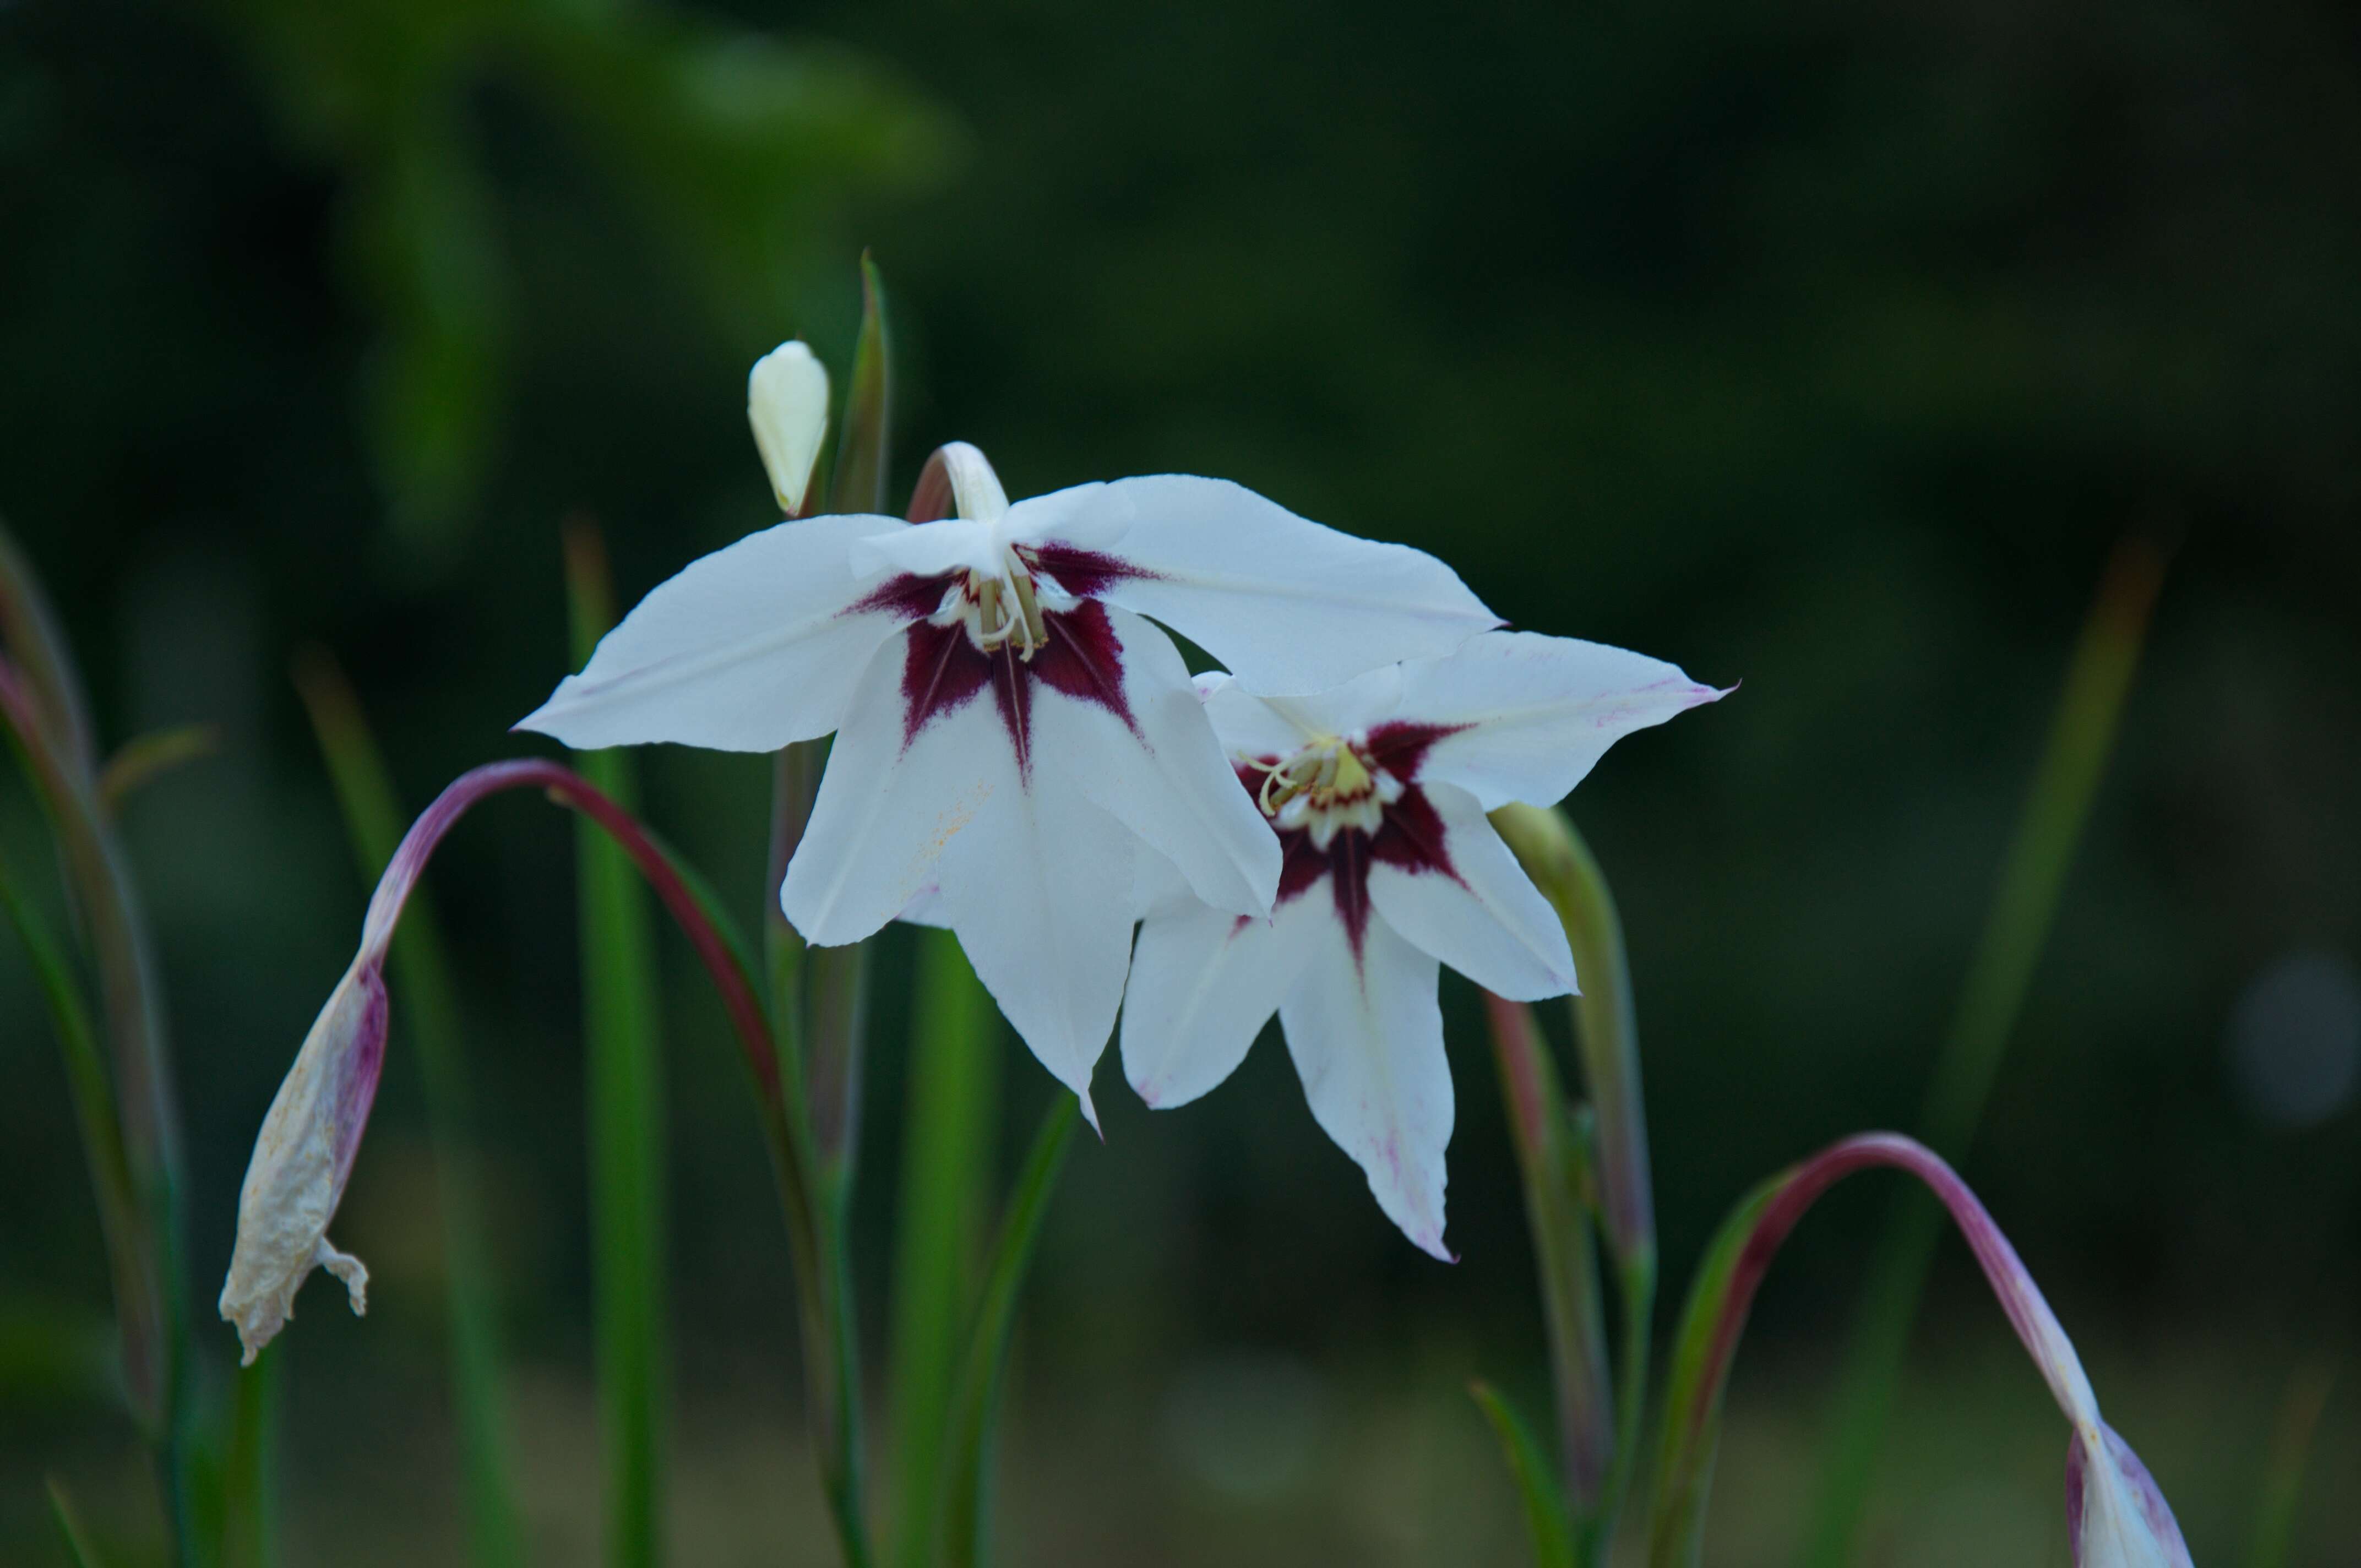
(1015, 735)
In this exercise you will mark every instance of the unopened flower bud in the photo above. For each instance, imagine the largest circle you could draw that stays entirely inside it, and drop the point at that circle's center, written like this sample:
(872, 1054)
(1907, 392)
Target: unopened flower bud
(2115, 1514)
(786, 403)
(301, 1159)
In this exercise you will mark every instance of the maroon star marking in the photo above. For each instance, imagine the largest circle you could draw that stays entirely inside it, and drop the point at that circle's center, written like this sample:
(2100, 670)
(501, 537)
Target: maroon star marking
(1410, 838)
(943, 668)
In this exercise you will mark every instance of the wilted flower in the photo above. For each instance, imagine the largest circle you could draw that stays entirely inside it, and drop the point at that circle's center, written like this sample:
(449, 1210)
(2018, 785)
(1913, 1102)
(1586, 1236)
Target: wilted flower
(1010, 727)
(305, 1153)
(302, 1158)
(1375, 792)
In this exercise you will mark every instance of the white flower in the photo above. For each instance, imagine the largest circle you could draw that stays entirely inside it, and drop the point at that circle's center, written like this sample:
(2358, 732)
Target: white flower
(1377, 792)
(786, 404)
(1008, 725)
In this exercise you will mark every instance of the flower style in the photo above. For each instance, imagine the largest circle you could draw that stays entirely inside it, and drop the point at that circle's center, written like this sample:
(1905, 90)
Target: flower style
(1009, 724)
(1376, 793)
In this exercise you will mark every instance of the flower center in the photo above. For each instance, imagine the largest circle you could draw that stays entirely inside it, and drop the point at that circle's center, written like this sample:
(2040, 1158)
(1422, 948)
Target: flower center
(998, 608)
(1325, 788)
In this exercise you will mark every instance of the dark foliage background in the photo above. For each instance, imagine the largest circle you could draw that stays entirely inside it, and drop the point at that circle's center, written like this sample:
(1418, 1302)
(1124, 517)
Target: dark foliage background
(1827, 346)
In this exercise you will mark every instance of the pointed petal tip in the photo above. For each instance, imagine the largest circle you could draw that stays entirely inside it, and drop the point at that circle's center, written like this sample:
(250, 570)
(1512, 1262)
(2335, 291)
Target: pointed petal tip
(1091, 1113)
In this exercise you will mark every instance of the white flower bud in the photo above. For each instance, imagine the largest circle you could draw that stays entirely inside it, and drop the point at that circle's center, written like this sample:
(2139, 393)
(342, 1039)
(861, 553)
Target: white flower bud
(2115, 1514)
(786, 403)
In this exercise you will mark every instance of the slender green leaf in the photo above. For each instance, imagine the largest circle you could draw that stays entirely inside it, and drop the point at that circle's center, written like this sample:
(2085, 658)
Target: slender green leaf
(115, 933)
(967, 1474)
(71, 1535)
(430, 1003)
(146, 757)
(1689, 1425)
(946, 1155)
(249, 1469)
(120, 1222)
(1546, 1513)
(2291, 1445)
(28, 630)
(2023, 909)
(864, 454)
(626, 1108)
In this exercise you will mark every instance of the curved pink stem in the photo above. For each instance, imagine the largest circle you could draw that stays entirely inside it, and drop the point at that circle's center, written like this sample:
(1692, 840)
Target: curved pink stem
(2020, 1297)
(570, 789)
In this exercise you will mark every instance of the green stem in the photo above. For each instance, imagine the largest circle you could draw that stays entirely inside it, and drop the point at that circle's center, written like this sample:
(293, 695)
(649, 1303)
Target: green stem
(966, 1518)
(946, 1153)
(625, 1095)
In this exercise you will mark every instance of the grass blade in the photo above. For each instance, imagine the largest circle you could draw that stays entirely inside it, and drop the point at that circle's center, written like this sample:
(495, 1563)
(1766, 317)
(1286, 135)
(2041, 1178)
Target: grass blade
(120, 1221)
(863, 452)
(250, 1470)
(2299, 1423)
(1545, 1516)
(429, 1001)
(626, 1106)
(967, 1491)
(2025, 906)
(71, 1535)
(144, 758)
(946, 1152)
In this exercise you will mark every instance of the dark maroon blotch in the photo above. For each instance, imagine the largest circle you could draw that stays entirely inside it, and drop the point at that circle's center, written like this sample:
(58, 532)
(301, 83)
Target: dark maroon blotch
(1081, 573)
(1082, 659)
(1400, 746)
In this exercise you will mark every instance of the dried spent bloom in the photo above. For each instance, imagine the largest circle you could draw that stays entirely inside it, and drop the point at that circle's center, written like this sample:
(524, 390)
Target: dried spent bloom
(301, 1159)
(1375, 792)
(1011, 728)
(786, 404)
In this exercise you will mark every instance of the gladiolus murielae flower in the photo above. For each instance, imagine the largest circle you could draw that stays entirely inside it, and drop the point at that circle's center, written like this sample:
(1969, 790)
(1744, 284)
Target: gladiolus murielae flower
(1010, 727)
(2115, 1514)
(1375, 791)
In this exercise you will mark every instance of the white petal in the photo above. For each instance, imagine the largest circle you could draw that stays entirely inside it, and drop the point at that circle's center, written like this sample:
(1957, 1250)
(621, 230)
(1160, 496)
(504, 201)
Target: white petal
(1289, 605)
(1203, 984)
(786, 403)
(2115, 1515)
(1168, 780)
(1539, 711)
(1039, 893)
(885, 811)
(1488, 921)
(1368, 1042)
(745, 650)
(1252, 725)
(929, 550)
(1245, 724)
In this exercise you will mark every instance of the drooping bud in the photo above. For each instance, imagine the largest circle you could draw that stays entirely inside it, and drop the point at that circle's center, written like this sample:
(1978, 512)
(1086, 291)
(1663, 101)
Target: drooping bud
(2114, 1511)
(2115, 1515)
(786, 403)
(301, 1161)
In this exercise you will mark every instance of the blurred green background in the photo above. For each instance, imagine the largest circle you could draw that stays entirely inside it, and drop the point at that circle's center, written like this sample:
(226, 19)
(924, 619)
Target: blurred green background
(1826, 347)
